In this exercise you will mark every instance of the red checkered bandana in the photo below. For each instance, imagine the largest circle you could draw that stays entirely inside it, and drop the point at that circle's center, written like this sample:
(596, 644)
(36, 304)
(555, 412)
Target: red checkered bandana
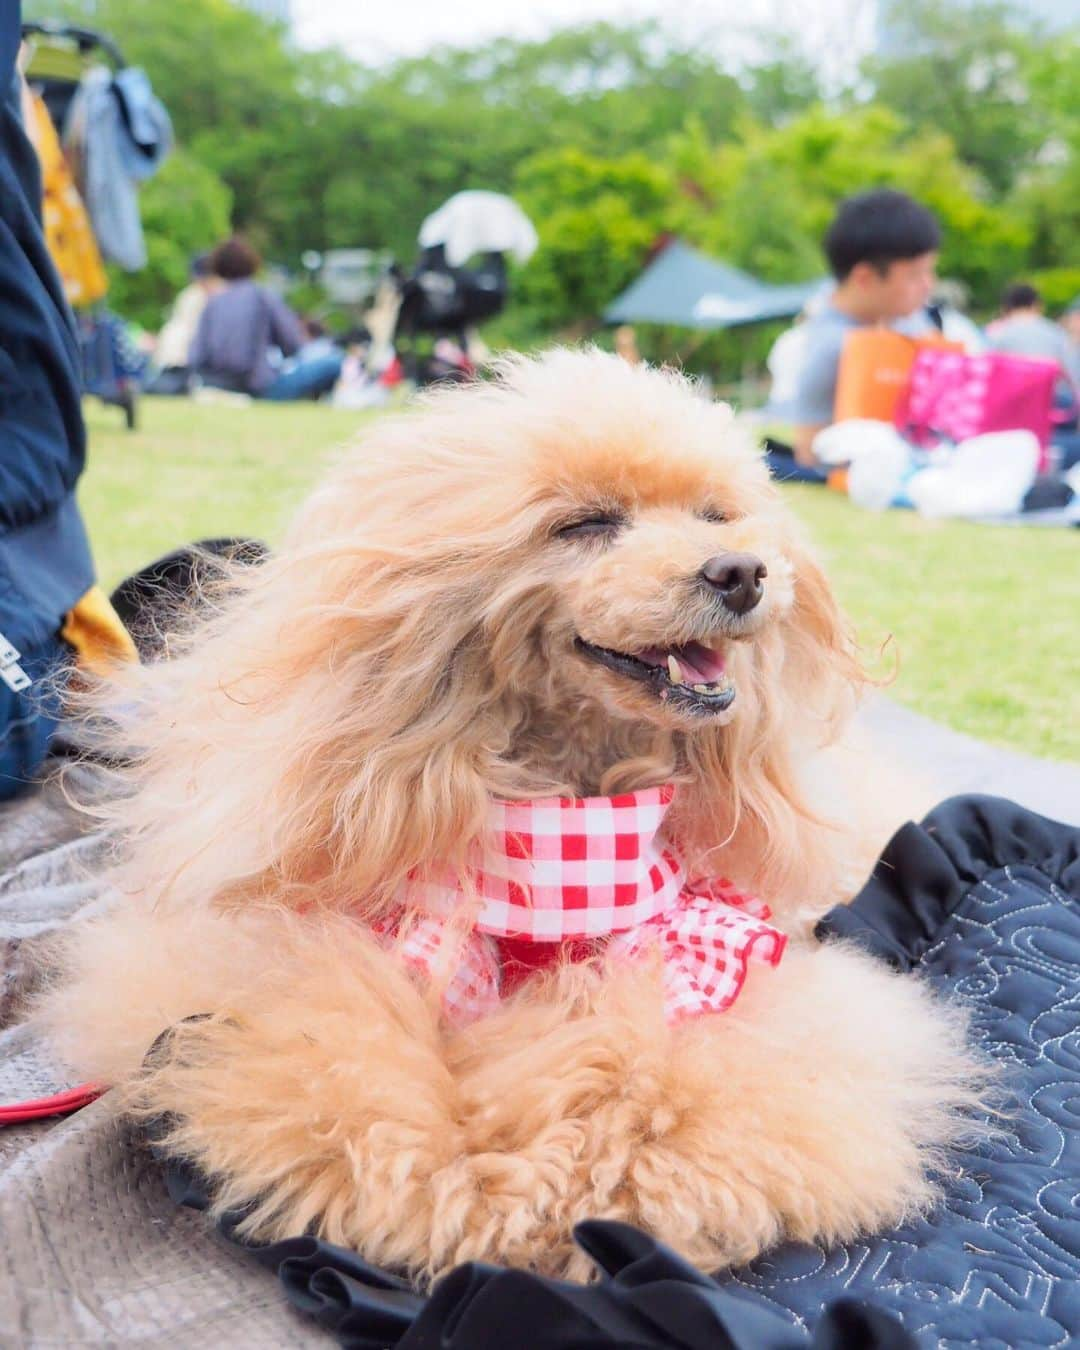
(574, 870)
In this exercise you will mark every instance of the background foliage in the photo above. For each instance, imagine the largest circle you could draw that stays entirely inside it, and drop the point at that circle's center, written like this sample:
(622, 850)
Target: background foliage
(610, 137)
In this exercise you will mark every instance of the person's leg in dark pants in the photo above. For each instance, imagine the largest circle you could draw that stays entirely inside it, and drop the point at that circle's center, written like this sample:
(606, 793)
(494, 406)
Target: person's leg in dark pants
(1065, 449)
(785, 468)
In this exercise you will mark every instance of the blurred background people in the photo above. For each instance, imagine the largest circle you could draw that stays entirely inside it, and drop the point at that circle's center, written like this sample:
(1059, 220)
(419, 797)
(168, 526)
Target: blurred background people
(247, 334)
(172, 352)
(882, 248)
(1024, 330)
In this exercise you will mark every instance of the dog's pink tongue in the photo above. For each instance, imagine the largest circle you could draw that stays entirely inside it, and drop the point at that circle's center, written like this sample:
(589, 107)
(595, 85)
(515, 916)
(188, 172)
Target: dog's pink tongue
(699, 664)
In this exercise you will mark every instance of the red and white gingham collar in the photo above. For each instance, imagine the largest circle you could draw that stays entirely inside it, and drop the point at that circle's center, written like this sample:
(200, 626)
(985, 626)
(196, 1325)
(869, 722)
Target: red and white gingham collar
(564, 870)
(556, 869)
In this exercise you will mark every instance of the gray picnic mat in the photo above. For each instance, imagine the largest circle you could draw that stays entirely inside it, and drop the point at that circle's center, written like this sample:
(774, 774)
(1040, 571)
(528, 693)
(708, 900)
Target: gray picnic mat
(92, 1250)
(957, 764)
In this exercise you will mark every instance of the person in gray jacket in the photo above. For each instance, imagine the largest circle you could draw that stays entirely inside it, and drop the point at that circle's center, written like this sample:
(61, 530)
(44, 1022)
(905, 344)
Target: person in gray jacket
(1024, 330)
(247, 333)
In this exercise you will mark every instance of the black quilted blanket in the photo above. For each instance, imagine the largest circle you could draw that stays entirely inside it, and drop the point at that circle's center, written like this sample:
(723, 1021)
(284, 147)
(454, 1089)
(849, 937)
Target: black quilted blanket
(983, 899)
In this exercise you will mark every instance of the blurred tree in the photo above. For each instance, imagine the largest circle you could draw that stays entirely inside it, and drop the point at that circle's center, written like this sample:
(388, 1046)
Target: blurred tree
(783, 83)
(427, 127)
(972, 72)
(772, 193)
(604, 87)
(596, 219)
(1058, 286)
(320, 151)
(1047, 190)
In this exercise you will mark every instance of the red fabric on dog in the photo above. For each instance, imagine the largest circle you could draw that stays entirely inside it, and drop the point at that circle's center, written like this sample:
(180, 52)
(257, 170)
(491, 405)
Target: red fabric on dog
(572, 877)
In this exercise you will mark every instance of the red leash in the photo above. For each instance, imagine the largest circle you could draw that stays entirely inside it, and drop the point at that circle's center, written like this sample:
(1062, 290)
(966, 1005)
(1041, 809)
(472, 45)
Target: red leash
(60, 1104)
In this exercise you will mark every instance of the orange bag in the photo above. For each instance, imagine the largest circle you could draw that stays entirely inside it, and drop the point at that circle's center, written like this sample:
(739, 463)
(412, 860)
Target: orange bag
(875, 367)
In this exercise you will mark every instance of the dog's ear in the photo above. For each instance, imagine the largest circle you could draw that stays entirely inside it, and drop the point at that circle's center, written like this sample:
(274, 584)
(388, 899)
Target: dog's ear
(382, 758)
(343, 720)
(325, 734)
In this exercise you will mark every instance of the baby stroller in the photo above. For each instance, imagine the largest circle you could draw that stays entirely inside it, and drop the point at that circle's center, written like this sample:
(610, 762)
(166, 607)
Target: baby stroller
(444, 302)
(442, 299)
(60, 54)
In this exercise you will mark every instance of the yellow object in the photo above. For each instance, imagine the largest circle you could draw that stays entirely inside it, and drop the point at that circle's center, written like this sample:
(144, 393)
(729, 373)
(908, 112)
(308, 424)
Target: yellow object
(68, 232)
(94, 629)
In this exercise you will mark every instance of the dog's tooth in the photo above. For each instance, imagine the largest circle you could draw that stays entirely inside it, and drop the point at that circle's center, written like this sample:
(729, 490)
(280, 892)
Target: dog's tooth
(674, 670)
(701, 688)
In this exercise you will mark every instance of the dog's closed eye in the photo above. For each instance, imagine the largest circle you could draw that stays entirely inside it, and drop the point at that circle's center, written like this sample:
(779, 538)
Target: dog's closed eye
(713, 515)
(598, 525)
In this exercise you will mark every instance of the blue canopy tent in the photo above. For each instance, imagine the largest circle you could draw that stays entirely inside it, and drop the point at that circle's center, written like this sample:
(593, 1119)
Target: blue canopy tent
(686, 289)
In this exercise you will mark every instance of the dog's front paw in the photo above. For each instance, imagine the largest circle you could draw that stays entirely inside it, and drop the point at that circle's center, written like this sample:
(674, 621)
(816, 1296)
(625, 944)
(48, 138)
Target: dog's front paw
(322, 1104)
(823, 1105)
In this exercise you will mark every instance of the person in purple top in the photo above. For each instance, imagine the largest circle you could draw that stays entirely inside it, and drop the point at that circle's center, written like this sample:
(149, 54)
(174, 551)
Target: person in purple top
(249, 340)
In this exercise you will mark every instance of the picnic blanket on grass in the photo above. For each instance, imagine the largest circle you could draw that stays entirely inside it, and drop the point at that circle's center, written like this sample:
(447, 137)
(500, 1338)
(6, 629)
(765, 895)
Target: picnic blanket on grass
(983, 898)
(93, 1251)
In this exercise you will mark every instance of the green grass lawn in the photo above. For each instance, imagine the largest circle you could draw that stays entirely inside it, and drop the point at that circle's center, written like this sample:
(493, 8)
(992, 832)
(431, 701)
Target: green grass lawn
(984, 620)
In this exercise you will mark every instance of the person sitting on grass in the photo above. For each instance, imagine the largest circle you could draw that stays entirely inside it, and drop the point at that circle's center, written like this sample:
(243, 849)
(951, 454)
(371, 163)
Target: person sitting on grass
(245, 326)
(882, 247)
(1024, 330)
(172, 352)
(1070, 324)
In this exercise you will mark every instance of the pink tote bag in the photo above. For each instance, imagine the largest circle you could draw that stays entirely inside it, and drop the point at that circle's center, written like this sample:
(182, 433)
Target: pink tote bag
(952, 396)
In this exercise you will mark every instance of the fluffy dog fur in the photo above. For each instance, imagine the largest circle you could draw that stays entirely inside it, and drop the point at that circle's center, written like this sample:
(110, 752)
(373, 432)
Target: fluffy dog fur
(346, 717)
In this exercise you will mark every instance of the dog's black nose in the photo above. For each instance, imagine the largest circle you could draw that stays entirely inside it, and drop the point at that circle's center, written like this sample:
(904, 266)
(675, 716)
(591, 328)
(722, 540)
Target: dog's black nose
(738, 578)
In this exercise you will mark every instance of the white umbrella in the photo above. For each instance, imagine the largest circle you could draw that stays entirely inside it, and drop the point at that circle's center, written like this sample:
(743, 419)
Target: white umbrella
(479, 222)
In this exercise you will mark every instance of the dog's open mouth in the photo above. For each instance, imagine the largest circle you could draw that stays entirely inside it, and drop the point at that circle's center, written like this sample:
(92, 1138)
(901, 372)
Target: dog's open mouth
(692, 676)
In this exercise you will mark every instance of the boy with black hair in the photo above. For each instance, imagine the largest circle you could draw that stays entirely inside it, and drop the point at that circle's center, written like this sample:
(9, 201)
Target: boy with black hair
(882, 249)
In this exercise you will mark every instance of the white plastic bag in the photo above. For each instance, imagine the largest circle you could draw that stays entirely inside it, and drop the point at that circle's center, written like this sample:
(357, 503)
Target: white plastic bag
(845, 442)
(984, 476)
